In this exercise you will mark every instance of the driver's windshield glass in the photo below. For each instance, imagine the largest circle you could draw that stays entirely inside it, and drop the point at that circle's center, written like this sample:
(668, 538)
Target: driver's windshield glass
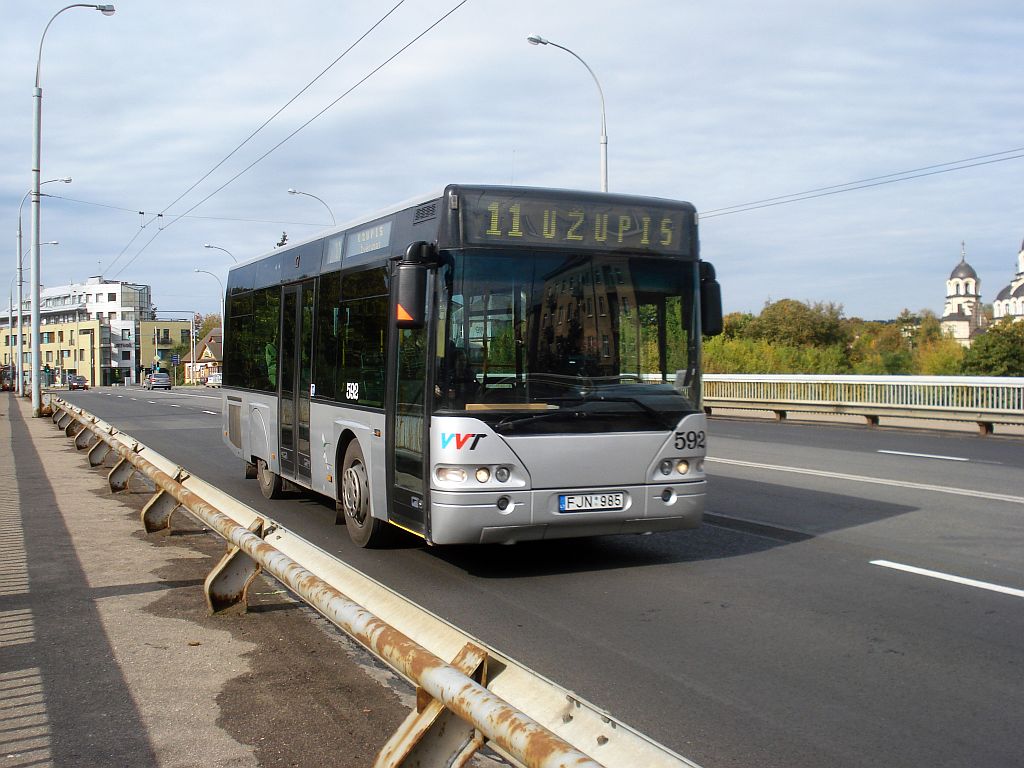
(535, 342)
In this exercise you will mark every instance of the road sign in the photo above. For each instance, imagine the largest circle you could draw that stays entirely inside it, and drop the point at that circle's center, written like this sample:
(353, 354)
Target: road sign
(175, 359)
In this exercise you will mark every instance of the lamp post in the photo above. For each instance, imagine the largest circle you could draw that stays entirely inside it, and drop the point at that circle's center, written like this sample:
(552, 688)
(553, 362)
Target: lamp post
(325, 205)
(538, 40)
(229, 253)
(222, 300)
(19, 255)
(21, 324)
(37, 119)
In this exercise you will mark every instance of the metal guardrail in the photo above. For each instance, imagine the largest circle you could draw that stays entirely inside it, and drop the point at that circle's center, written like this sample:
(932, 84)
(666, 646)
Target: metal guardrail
(983, 400)
(479, 697)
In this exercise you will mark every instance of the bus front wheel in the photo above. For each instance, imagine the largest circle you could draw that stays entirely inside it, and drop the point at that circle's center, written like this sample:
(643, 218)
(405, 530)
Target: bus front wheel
(270, 483)
(364, 529)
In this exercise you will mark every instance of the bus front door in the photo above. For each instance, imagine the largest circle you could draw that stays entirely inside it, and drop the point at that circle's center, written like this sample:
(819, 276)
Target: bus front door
(295, 381)
(407, 437)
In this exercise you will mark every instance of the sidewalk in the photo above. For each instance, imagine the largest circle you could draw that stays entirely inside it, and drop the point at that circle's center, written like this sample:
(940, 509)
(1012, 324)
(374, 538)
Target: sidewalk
(107, 654)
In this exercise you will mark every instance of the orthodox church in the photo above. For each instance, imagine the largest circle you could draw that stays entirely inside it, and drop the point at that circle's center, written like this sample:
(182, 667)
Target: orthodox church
(962, 317)
(1010, 301)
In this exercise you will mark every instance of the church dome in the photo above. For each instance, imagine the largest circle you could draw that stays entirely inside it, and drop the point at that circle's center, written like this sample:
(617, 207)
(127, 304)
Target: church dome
(963, 271)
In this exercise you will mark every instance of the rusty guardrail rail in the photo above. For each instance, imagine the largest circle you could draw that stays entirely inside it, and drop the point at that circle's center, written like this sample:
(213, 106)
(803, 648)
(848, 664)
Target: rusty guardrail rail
(479, 697)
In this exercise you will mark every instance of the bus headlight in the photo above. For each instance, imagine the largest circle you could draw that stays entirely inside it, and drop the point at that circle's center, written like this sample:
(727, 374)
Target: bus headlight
(502, 474)
(683, 466)
(451, 474)
(483, 474)
(666, 467)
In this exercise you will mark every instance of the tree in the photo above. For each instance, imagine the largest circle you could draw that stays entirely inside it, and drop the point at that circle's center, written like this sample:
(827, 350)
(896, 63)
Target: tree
(998, 352)
(205, 324)
(796, 324)
(939, 357)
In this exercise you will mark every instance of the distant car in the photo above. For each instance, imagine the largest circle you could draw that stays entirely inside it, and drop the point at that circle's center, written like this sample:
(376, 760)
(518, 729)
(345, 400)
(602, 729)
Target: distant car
(158, 381)
(77, 382)
(214, 379)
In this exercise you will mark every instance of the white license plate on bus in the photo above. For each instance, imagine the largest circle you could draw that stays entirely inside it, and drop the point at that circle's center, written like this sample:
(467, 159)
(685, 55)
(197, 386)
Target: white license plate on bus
(589, 502)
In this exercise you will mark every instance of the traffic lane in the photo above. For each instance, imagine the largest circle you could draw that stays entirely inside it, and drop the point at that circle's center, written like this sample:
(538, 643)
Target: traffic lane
(954, 463)
(979, 539)
(735, 649)
(992, 449)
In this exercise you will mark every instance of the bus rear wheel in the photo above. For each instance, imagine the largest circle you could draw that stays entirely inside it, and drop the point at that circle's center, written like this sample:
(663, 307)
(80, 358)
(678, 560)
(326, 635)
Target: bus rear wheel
(270, 483)
(364, 529)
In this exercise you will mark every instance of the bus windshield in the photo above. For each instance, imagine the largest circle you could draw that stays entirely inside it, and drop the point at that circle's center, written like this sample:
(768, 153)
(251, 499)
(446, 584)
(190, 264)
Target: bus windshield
(538, 342)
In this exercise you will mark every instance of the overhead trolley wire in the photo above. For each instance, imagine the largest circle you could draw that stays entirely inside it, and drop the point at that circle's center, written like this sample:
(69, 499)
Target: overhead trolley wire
(319, 114)
(263, 125)
(875, 181)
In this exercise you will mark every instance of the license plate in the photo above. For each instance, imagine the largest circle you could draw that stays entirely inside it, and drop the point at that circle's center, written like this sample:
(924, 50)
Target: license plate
(588, 502)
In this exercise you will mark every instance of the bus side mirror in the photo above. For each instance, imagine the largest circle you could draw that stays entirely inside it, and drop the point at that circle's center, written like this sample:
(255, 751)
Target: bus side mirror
(710, 301)
(410, 286)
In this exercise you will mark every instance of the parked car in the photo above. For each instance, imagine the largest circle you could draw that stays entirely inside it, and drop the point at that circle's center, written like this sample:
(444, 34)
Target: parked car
(214, 380)
(77, 382)
(158, 380)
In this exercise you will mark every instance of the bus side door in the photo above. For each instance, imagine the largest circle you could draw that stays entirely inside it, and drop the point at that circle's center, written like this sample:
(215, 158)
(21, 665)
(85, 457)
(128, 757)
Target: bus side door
(296, 366)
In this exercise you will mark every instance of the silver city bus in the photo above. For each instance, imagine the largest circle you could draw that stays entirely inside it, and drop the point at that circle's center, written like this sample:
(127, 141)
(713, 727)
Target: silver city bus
(491, 364)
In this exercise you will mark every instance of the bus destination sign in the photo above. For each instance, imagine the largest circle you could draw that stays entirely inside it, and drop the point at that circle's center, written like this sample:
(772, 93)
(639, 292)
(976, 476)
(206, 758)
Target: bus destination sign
(528, 221)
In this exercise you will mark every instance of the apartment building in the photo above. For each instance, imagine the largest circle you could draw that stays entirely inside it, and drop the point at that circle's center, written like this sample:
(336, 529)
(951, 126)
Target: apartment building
(105, 330)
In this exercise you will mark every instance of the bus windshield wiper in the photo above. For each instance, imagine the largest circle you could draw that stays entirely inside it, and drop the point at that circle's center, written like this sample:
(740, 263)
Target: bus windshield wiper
(512, 422)
(654, 413)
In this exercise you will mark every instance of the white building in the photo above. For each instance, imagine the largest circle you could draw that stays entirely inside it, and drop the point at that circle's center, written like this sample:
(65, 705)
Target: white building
(119, 306)
(1010, 301)
(962, 317)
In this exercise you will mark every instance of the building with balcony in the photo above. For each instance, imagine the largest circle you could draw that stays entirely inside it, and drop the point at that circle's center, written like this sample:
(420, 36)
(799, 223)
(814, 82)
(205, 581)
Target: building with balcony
(95, 329)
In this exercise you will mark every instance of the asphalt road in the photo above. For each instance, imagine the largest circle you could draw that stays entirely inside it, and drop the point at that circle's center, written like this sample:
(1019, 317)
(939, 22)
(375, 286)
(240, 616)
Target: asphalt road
(856, 599)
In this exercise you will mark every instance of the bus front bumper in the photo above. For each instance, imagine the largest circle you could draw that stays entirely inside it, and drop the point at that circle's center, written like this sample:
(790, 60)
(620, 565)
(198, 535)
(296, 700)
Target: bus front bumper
(493, 517)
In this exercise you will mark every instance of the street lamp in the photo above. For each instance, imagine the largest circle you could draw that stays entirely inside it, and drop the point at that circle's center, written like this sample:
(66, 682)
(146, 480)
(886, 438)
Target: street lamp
(37, 120)
(21, 325)
(19, 256)
(229, 253)
(538, 40)
(325, 205)
(222, 299)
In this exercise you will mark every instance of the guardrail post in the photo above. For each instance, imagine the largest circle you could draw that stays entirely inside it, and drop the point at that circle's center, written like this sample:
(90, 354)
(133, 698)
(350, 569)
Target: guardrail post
(74, 429)
(99, 452)
(984, 428)
(432, 734)
(227, 585)
(85, 438)
(57, 413)
(156, 515)
(120, 477)
(64, 420)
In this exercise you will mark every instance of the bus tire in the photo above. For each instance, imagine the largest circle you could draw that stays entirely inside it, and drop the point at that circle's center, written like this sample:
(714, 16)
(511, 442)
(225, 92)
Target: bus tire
(270, 483)
(365, 530)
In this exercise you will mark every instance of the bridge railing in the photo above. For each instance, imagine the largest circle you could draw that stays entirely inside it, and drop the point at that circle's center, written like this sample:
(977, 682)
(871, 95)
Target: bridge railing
(983, 400)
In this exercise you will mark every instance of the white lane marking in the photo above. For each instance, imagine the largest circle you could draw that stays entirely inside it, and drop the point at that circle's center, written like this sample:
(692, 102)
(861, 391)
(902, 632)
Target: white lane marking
(175, 405)
(924, 455)
(874, 480)
(949, 577)
(151, 402)
(212, 413)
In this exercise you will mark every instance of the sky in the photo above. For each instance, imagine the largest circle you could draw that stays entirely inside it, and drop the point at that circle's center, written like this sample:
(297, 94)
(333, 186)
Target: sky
(721, 104)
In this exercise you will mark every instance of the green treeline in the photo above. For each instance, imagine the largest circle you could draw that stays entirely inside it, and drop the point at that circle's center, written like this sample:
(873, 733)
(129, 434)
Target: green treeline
(790, 336)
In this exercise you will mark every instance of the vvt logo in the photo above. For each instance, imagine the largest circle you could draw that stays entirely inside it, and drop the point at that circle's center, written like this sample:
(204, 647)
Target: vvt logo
(460, 440)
